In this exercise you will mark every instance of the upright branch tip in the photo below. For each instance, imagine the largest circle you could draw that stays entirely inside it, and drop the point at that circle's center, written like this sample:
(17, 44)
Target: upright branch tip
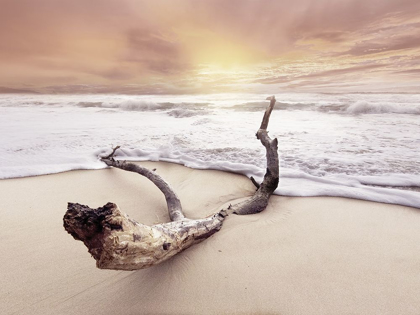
(259, 201)
(266, 118)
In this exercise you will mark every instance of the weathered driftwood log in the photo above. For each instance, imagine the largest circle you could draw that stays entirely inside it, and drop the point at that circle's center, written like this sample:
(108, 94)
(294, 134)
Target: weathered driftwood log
(118, 242)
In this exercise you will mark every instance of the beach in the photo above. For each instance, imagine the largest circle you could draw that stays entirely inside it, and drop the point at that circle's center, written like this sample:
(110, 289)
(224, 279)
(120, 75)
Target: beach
(316, 103)
(302, 255)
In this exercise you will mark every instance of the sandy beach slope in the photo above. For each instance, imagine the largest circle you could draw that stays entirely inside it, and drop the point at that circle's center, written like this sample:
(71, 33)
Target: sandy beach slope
(300, 256)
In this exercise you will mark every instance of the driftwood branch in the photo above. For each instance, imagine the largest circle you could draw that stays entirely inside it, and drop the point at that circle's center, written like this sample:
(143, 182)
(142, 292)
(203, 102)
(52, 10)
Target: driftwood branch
(258, 202)
(254, 182)
(118, 242)
(172, 200)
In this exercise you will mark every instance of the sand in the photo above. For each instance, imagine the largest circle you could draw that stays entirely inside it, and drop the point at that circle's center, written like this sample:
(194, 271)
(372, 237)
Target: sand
(301, 256)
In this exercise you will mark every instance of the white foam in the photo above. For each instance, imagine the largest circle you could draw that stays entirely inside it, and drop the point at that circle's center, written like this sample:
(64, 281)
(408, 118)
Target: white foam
(322, 151)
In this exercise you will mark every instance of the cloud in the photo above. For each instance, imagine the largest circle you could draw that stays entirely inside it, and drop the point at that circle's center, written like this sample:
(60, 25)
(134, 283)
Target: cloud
(272, 80)
(410, 71)
(393, 44)
(109, 42)
(326, 86)
(344, 71)
(16, 91)
(43, 27)
(330, 36)
(155, 51)
(118, 73)
(321, 74)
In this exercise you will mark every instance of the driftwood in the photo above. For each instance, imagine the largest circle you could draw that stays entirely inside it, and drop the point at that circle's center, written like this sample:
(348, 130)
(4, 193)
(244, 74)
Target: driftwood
(118, 242)
(258, 202)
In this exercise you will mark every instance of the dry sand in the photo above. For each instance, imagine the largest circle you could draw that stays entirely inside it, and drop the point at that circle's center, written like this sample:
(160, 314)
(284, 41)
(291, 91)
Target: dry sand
(300, 256)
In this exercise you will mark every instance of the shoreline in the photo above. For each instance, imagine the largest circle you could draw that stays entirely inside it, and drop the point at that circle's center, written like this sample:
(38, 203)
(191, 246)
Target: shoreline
(405, 202)
(317, 255)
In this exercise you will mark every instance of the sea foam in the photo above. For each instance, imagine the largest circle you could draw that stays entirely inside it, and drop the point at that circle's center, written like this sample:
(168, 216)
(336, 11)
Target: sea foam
(357, 146)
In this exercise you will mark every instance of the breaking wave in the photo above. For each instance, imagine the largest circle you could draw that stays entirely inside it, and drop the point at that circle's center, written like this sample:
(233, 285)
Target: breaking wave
(130, 105)
(356, 108)
(363, 107)
(177, 110)
(183, 112)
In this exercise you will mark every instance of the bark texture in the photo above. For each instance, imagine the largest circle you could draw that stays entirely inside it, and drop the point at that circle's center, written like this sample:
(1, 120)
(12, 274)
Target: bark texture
(172, 200)
(258, 202)
(120, 243)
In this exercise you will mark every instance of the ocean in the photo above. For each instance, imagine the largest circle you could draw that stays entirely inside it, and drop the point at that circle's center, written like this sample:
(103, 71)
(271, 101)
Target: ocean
(363, 146)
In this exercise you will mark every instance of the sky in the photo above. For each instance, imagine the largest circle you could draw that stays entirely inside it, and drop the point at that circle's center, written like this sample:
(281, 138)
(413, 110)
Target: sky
(209, 46)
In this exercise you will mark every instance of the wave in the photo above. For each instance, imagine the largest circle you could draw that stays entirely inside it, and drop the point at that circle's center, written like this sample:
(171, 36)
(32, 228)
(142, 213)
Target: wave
(364, 107)
(130, 105)
(89, 104)
(184, 112)
(177, 110)
(261, 106)
(356, 108)
(188, 106)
